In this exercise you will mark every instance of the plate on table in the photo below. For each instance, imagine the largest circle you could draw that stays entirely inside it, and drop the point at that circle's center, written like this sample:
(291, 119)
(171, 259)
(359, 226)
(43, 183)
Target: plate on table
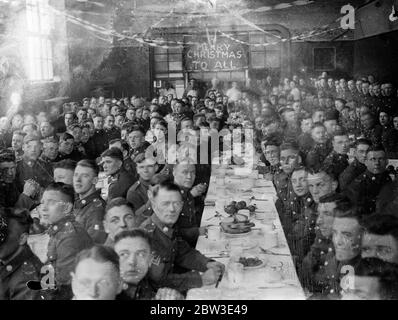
(250, 263)
(237, 235)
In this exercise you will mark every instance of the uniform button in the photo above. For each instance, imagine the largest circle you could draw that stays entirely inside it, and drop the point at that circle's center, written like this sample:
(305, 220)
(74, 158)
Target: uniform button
(326, 263)
(84, 201)
(55, 228)
(373, 178)
(9, 268)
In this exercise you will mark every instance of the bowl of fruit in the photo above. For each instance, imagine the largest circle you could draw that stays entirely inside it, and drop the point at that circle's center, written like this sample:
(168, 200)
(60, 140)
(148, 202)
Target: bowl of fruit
(236, 223)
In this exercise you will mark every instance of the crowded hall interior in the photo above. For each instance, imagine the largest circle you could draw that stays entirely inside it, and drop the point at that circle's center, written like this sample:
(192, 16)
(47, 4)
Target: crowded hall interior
(198, 150)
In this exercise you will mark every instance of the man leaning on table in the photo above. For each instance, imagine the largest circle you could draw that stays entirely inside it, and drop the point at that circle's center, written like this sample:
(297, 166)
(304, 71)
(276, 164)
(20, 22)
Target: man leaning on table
(170, 250)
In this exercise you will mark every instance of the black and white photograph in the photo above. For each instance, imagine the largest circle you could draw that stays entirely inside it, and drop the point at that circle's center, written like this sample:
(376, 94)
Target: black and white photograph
(198, 150)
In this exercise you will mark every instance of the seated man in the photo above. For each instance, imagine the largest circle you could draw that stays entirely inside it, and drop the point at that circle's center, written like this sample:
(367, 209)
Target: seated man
(63, 171)
(9, 193)
(89, 209)
(31, 167)
(188, 222)
(270, 158)
(371, 279)
(50, 149)
(17, 143)
(128, 163)
(119, 179)
(135, 257)
(323, 239)
(67, 149)
(137, 195)
(346, 238)
(320, 148)
(170, 250)
(320, 184)
(356, 167)
(337, 160)
(119, 216)
(96, 274)
(380, 239)
(18, 264)
(289, 159)
(364, 190)
(67, 237)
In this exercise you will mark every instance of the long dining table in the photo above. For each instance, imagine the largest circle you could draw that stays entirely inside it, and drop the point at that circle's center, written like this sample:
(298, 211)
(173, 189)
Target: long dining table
(274, 276)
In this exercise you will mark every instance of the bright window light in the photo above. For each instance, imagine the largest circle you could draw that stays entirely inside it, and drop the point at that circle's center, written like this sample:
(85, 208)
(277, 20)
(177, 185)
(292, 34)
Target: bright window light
(40, 57)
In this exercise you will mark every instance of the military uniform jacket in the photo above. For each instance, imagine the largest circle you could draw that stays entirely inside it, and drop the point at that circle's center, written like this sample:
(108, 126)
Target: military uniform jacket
(281, 183)
(349, 174)
(38, 170)
(303, 234)
(111, 134)
(100, 143)
(67, 239)
(364, 190)
(140, 149)
(314, 260)
(137, 195)
(10, 197)
(90, 212)
(373, 134)
(338, 162)
(387, 200)
(317, 155)
(120, 183)
(169, 250)
(143, 291)
(329, 275)
(188, 223)
(16, 273)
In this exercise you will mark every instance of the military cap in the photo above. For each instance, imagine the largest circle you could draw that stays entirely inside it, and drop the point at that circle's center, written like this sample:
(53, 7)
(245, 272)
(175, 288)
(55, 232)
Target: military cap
(113, 153)
(31, 137)
(7, 155)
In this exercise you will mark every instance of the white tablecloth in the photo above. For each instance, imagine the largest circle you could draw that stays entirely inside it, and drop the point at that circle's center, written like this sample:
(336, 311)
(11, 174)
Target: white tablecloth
(276, 278)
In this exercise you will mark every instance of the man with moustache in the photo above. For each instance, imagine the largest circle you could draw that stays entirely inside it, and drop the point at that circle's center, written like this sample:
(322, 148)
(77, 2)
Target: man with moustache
(357, 166)
(89, 209)
(170, 250)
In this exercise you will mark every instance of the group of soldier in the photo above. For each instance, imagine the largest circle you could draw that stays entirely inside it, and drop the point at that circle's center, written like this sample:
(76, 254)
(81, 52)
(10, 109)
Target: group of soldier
(123, 223)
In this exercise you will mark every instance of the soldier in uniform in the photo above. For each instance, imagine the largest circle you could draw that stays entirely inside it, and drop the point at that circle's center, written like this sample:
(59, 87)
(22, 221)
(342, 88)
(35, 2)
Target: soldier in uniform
(119, 216)
(67, 237)
(89, 209)
(170, 250)
(357, 166)
(137, 195)
(119, 179)
(364, 190)
(321, 148)
(99, 137)
(270, 158)
(66, 148)
(111, 132)
(188, 222)
(289, 159)
(50, 149)
(9, 193)
(17, 144)
(128, 163)
(136, 141)
(31, 167)
(337, 160)
(18, 264)
(134, 250)
(347, 233)
(319, 184)
(370, 130)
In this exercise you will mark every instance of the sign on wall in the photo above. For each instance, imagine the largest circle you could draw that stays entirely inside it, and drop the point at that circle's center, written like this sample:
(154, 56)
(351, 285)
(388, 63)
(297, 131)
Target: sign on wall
(220, 55)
